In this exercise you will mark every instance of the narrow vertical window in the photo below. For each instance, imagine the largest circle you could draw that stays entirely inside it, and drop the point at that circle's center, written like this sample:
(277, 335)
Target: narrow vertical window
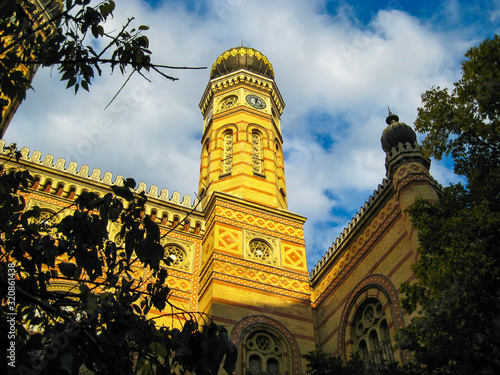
(227, 161)
(204, 163)
(256, 153)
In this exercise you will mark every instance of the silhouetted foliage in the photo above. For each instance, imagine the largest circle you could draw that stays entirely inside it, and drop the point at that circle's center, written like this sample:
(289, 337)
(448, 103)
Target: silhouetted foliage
(72, 36)
(76, 298)
(319, 363)
(456, 298)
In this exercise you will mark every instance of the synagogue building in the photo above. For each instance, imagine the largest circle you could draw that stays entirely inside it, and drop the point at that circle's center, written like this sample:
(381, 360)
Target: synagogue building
(239, 254)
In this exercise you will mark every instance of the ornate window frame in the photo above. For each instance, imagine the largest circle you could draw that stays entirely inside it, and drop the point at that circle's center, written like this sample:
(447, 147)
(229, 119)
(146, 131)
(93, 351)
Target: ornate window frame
(54, 212)
(370, 332)
(257, 158)
(251, 325)
(372, 287)
(228, 102)
(179, 246)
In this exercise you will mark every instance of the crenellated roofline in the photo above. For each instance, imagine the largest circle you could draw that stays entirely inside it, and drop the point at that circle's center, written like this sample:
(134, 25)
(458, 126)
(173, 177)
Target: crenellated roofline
(95, 177)
(397, 155)
(358, 218)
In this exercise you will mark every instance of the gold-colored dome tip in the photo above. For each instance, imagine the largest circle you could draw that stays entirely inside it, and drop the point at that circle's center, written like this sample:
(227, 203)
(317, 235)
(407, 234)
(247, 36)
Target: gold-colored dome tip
(242, 58)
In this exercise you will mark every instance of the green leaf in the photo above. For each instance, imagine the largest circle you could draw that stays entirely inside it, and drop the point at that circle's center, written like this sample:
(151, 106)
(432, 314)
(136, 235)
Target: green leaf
(130, 183)
(71, 82)
(124, 192)
(67, 269)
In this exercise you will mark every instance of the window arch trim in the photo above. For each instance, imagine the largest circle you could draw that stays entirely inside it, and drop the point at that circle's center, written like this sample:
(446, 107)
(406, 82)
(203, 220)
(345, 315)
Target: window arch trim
(373, 286)
(250, 324)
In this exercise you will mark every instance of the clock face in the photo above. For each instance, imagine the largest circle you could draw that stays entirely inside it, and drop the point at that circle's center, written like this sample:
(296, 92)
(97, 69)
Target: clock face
(256, 102)
(209, 117)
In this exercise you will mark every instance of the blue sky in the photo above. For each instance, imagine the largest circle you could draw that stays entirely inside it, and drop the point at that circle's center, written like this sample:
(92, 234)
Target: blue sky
(338, 65)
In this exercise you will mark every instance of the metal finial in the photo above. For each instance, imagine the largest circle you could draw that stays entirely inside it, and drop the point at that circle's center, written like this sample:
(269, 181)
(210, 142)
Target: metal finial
(391, 118)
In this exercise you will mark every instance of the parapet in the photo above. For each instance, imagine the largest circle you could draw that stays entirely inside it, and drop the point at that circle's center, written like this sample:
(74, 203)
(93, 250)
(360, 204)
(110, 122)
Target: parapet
(350, 227)
(95, 176)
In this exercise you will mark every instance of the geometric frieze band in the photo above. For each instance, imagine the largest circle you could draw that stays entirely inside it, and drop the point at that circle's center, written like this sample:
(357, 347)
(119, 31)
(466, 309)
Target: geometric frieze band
(257, 214)
(356, 250)
(270, 227)
(263, 280)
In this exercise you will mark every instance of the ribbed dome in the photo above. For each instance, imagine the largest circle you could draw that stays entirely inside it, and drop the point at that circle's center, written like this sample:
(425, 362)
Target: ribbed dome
(397, 132)
(242, 58)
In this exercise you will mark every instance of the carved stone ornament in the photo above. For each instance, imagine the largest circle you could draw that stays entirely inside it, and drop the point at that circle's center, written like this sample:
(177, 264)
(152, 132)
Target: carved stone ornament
(180, 252)
(261, 248)
(228, 102)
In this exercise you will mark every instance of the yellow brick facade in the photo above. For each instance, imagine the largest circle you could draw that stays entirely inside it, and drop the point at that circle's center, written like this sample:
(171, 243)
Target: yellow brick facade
(45, 10)
(241, 255)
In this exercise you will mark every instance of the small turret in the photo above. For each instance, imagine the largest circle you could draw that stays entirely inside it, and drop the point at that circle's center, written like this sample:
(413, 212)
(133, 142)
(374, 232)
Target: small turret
(406, 166)
(396, 132)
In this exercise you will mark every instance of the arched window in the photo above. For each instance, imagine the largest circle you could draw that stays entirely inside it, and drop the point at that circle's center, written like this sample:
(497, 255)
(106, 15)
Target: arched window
(264, 354)
(370, 333)
(257, 152)
(280, 172)
(227, 159)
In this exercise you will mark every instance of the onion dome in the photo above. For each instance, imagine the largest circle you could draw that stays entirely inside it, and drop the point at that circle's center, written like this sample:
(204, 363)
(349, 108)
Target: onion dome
(397, 132)
(242, 58)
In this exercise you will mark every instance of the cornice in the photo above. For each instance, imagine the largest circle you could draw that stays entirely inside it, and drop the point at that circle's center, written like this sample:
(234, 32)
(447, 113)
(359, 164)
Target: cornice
(241, 77)
(286, 215)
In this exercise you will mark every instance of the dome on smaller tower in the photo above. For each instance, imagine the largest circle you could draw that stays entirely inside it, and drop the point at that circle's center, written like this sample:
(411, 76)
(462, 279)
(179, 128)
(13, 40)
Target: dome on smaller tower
(396, 132)
(242, 58)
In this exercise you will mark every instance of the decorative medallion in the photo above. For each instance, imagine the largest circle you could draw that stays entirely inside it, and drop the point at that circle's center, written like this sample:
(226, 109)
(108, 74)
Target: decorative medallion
(262, 248)
(176, 254)
(228, 102)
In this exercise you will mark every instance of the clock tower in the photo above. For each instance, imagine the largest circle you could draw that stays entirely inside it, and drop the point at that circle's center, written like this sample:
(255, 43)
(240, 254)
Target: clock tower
(242, 144)
(253, 270)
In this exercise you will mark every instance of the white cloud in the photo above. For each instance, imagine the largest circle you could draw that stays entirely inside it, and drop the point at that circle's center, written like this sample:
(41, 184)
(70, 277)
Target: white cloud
(323, 63)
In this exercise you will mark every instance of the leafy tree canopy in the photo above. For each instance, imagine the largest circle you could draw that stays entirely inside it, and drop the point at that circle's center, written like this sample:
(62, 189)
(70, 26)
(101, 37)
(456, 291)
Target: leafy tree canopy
(72, 36)
(77, 299)
(456, 329)
(319, 363)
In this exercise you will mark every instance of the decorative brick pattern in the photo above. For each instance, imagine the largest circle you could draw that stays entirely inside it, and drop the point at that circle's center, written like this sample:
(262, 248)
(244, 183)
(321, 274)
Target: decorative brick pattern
(357, 250)
(294, 257)
(251, 276)
(263, 224)
(228, 240)
(260, 214)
